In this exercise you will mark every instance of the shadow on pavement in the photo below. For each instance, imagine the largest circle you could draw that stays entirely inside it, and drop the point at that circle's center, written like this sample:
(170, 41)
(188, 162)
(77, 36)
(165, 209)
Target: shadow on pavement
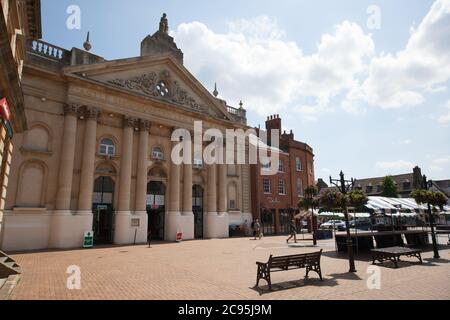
(287, 285)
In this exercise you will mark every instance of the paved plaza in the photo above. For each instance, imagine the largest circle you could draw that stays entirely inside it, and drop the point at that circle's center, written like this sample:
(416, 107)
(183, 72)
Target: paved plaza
(221, 269)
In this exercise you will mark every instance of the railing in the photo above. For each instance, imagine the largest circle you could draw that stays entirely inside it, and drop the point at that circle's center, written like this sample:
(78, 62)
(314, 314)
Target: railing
(48, 50)
(241, 114)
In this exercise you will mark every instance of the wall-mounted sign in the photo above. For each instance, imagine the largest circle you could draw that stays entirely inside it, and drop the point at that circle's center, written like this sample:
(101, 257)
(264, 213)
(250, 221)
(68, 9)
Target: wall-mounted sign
(4, 109)
(135, 223)
(159, 200)
(150, 199)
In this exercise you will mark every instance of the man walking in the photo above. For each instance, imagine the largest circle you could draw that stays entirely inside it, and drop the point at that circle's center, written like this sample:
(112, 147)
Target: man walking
(293, 231)
(257, 229)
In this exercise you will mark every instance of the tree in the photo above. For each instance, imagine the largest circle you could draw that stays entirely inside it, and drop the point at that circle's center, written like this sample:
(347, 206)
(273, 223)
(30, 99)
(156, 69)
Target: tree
(434, 200)
(310, 201)
(388, 188)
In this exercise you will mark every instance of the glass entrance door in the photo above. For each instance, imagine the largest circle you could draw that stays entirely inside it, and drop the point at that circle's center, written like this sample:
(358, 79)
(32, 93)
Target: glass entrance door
(103, 212)
(268, 221)
(156, 209)
(197, 209)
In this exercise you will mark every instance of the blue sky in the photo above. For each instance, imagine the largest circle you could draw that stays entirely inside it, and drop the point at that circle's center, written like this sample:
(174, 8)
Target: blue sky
(369, 101)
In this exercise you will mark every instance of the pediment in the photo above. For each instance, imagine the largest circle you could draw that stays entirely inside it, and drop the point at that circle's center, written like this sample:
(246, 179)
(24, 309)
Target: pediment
(161, 78)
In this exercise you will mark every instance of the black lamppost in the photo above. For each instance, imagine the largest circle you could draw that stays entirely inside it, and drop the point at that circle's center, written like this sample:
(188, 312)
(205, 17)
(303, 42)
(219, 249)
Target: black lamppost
(426, 186)
(344, 186)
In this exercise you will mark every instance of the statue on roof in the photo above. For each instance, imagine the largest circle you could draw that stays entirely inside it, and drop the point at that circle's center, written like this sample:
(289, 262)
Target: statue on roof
(164, 24)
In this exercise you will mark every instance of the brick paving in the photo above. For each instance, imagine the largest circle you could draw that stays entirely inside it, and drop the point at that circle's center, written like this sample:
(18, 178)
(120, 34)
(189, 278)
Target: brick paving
(221, 269)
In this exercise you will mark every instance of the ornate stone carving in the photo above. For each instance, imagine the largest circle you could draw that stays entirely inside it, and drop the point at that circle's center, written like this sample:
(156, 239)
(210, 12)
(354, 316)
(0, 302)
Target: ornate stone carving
(145, 125)
(145, 83)
(130, 122)
(164, 24)
(92, 113)
(72, 109)
(148, 83)
(181, 96)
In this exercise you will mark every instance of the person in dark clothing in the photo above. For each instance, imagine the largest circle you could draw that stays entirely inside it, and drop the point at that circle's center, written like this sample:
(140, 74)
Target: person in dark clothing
(293, 231)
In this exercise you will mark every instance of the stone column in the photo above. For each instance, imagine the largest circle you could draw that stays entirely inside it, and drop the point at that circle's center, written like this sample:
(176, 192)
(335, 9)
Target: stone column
(212, 188)
(88, 164)
(216, 219)
(66, 229)
(126, 164)
(142, 166)
(187, 188)
(67, 159)
(222, 207)
(179, 218)
(124, 233)
(174, 197)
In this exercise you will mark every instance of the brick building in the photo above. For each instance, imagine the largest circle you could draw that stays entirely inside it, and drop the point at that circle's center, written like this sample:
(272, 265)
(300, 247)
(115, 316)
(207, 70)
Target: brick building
(275, 197)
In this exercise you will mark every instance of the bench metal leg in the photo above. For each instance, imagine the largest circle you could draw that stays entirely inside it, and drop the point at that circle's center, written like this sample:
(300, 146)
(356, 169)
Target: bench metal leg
(315, 268)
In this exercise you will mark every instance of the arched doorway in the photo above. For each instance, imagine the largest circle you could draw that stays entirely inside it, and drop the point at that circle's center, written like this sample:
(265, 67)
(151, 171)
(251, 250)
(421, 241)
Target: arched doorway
(103, 211)
(197, 209)
(156, 208)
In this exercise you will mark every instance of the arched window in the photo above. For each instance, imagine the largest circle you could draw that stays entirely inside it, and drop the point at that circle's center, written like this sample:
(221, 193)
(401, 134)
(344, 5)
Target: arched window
(157, 153)
(107, 147)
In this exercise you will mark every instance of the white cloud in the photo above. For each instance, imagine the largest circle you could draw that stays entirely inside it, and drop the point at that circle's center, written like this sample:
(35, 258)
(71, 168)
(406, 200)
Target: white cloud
(406, 142)
(440, 164)
(445, 118)
(253, 62)
(400, 80)
(395, 165)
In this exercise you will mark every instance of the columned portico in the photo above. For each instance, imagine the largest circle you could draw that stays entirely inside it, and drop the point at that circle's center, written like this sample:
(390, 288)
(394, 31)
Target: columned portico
(110, 172)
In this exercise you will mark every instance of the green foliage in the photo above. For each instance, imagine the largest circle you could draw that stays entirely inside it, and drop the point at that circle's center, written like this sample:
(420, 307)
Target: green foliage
(332, 199)
(357, 198)
(311, 191)
(310, 200)
(388, 188)
(429, 197)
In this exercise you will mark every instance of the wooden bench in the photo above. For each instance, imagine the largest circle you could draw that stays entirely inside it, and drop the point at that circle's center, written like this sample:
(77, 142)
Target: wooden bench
(394, 253)
(308, 261)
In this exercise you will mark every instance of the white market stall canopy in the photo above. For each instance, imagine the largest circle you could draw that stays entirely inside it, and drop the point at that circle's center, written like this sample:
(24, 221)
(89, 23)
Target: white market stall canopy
(398, 206)
(331, 214)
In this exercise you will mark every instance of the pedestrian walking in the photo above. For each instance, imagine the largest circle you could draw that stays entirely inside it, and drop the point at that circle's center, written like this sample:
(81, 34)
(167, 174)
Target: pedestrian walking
(257, 230)
(293, 231)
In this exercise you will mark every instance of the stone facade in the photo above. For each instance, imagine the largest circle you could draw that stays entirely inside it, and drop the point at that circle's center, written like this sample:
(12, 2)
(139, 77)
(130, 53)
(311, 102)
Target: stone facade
(19, 21)
(97, 155)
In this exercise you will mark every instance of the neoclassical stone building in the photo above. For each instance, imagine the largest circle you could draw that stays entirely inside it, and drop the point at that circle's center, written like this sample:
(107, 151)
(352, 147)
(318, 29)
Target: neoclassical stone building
(97, 153)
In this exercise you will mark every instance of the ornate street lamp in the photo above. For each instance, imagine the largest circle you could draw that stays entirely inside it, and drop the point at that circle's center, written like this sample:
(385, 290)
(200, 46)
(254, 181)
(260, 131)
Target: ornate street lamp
(344, 187)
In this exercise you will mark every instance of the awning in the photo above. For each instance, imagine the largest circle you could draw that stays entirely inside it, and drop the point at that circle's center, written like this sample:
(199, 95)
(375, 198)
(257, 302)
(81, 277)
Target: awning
(331, 214)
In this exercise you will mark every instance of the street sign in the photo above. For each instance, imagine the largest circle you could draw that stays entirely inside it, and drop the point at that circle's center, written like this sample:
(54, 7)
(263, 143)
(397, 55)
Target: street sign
(88, 241)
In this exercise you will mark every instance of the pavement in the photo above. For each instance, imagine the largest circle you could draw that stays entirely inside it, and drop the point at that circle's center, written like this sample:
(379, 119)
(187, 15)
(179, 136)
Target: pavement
(222, 269)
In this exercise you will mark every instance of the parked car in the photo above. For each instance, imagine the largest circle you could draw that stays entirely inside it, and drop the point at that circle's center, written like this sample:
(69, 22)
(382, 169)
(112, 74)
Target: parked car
(334, 224)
